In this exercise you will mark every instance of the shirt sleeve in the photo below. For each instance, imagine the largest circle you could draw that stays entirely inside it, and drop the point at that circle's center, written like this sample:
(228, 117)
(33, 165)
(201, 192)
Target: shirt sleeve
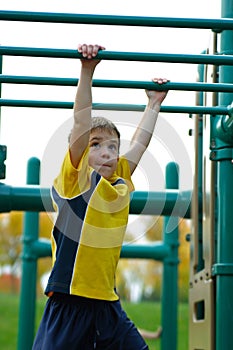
(123, 171)
(72, 181)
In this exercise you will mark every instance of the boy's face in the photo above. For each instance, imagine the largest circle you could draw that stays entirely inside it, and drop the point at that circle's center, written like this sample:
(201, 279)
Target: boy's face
(104, 152)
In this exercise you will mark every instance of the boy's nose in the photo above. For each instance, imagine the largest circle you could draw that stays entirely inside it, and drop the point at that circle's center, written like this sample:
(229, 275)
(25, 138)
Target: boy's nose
(105, 152)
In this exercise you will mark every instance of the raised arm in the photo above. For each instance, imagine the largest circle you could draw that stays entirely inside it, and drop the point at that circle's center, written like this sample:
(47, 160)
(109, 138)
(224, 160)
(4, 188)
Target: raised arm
(145, 129)
(80, 133)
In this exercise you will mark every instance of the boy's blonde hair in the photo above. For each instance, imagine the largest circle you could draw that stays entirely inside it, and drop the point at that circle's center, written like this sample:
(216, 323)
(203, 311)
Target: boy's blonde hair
(103, 124)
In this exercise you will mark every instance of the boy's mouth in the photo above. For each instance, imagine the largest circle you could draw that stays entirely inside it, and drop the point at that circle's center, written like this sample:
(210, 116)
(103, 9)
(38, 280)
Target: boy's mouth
(108, 165)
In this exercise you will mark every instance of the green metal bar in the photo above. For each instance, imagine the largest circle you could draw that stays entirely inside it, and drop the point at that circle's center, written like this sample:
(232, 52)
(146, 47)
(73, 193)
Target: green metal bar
(115, 107)
(41, 248)
(1, 59)
(37, 104)
(125, 84)
(173, 203)
(224, 281)
(157, 251)
(201, 71)
(170, 270)
(216, 24)
(34, 198)
(3, 149)
(119, 56)
(26, 324)
(28, 198)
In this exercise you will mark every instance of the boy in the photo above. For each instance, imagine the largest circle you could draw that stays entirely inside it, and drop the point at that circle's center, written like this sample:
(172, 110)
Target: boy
(91, 195)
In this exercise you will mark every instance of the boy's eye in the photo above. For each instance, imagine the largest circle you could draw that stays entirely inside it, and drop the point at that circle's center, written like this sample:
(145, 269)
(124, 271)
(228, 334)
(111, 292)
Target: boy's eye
(113, 147)
(95, 144)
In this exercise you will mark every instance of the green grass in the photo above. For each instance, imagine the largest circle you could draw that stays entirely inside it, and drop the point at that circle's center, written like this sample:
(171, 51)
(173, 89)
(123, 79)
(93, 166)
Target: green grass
(145, 315)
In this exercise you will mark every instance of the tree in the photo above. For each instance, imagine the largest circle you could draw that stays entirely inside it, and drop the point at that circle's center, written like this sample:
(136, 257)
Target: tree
(11, 230)
(10, 245)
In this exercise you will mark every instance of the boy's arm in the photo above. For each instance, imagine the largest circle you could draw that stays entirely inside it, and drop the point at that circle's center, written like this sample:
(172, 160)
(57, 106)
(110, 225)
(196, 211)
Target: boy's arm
(80, 133)
(145, 129)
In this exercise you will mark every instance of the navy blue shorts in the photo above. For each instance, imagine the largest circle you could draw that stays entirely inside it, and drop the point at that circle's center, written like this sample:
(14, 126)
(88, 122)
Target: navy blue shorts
(77, 323)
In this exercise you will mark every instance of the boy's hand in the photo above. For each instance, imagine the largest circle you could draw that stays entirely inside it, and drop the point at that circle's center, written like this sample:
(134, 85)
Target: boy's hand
(156, 97)
(89, 53)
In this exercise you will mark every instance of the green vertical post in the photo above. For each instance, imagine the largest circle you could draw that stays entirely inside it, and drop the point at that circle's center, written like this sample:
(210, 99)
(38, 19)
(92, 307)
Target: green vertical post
(3, 149)
(223, 268)
(200, 170)
(170, 270)
(0, 90)
(26, 325)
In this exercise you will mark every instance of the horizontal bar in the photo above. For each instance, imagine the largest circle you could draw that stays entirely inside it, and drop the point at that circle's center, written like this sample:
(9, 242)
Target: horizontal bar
(169, 202)
(119, 56)
(125, 84)
(222, 269)
(28, 198)
(115, 107)
(157, 251)
(37, 104)
(165, 109)
(35, 198)
(200, 23)
(41, 248)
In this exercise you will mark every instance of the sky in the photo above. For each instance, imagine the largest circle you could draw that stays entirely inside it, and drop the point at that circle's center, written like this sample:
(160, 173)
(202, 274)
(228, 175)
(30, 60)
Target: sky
(42, 133)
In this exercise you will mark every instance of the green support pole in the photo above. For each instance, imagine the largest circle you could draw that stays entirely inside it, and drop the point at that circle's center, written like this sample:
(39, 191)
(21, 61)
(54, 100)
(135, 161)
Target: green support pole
(29, 268)
(0, 91)
(170, 271)
(223, 269)
(3, 149)
(200, 172)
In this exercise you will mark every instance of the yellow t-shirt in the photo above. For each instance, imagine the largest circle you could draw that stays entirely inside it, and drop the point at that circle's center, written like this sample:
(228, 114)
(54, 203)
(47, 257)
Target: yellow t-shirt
(89, 230)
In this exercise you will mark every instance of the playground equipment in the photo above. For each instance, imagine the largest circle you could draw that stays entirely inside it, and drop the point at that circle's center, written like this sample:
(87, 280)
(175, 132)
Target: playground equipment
(211, 270)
